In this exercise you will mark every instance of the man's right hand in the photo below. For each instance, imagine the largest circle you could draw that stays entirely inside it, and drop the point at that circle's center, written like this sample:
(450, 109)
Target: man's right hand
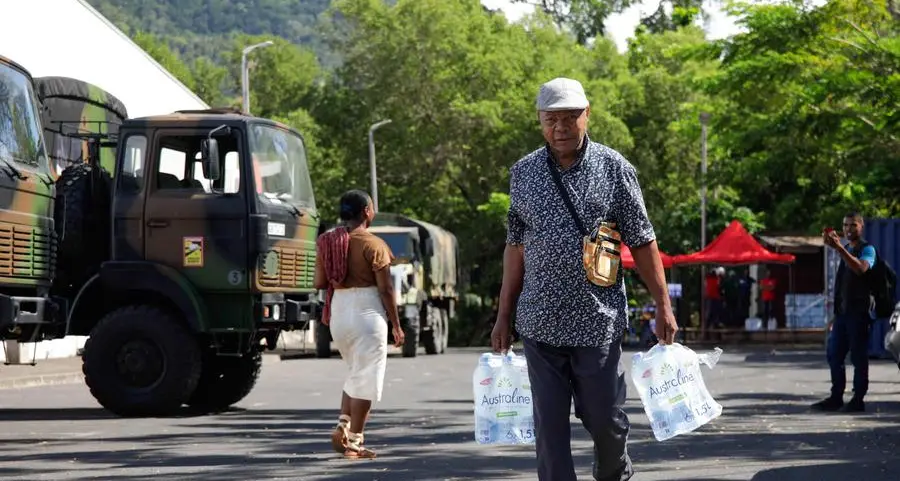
(501, 336)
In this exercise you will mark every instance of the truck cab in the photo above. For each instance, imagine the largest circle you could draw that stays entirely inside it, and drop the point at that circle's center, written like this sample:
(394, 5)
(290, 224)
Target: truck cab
(206, 249)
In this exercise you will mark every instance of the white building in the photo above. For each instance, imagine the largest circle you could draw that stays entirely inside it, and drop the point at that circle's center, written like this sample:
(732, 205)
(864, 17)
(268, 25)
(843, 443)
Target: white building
(69, 38)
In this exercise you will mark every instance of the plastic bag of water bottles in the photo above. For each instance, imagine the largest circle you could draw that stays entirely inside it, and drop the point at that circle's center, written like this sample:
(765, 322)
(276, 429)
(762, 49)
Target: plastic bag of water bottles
(672, 390)
(503, 405)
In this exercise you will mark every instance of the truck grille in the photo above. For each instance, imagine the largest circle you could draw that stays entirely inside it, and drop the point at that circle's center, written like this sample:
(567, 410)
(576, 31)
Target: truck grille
(27, 251)
(296, 268)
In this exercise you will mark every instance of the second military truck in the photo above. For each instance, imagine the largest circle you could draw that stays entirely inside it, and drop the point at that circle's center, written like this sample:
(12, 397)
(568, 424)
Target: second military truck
(425, 277)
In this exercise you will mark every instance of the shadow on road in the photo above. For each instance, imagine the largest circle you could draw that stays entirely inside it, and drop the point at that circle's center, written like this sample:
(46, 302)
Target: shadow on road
(426, 444)
(886, 470)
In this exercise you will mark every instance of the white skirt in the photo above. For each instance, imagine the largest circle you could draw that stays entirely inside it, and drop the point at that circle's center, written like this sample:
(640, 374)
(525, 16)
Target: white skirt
(359, 330)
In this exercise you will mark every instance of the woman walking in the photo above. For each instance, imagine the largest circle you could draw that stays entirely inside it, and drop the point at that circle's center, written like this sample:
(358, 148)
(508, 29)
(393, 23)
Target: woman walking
(354, 266)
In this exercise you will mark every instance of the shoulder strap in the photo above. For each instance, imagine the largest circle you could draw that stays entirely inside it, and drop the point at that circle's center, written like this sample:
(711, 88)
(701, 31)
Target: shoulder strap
(565, 195)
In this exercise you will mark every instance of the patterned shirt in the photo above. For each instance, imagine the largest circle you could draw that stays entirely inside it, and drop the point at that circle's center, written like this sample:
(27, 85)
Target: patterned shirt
(558, 305)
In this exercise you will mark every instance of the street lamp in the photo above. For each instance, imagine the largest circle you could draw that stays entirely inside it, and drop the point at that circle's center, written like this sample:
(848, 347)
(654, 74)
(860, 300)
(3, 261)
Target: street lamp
(245, 74)
(704, 119)
(372, 173)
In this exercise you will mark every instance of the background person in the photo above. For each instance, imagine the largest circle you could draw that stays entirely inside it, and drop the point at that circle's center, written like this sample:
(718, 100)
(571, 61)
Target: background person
(852, 306)
(354, 265)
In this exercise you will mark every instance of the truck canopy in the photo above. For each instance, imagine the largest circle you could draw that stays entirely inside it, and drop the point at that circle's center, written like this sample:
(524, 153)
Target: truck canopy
(441, 266)
(73, 108)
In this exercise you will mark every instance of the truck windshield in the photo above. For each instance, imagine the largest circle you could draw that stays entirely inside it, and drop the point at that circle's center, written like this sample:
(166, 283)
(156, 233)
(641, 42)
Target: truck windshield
(21, 141)
(401, 244)
(279, 166)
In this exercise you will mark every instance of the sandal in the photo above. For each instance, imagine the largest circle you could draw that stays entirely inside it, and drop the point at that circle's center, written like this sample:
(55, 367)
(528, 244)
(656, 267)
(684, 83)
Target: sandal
(355, 448)
(341, 435)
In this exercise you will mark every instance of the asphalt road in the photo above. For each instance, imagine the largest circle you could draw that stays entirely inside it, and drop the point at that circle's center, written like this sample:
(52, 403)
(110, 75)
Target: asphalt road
(423, 430)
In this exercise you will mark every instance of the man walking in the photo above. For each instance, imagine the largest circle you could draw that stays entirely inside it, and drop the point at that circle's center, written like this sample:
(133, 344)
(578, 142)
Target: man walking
(852, 307)
(572, 326)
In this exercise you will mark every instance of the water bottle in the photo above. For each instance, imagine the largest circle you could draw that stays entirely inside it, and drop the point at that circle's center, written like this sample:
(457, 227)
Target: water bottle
(483, 381)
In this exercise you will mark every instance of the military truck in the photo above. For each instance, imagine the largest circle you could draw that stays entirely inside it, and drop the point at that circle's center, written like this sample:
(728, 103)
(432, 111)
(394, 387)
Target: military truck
(425, 278)
(181, 264)
(27, 241)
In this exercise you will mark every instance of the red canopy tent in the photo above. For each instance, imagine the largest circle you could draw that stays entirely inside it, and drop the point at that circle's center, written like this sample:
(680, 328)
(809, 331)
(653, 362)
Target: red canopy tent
(628, 260)
(734, 246)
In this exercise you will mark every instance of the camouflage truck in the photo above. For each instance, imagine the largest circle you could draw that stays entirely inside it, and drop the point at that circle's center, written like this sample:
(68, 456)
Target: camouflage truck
(425, 278)
(181, 264)
(27, 240)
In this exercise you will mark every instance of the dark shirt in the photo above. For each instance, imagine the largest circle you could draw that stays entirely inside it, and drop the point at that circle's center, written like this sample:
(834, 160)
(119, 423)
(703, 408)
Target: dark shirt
(853, 296)
(558, 305)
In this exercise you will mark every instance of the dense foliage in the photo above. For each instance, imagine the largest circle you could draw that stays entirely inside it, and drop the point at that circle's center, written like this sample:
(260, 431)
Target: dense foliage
(803, 105)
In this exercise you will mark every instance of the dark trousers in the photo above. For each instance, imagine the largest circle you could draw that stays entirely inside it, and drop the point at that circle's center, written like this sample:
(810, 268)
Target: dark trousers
(849, 333)
(768, 311)
(715, 312)
(595, 378)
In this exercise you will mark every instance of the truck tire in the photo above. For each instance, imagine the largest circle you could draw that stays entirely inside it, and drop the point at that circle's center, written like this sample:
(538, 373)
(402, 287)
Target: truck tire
(323, 341)
(81, 213)
(432, 339)
(225, 380)
(410, 346)
(140, 361)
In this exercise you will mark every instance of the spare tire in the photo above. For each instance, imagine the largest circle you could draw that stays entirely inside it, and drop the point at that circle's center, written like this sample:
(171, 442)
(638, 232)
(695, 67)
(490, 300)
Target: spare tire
(81, 215)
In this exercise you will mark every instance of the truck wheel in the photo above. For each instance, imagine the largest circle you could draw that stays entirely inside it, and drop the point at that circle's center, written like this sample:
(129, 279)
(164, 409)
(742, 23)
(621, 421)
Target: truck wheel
(323, 341)
(411, 341)
(225, 380)
(432, 338)
(140, 361)
(81, 189)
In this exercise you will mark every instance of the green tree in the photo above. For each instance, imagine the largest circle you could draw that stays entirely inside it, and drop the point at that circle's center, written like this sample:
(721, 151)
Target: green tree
(810, 124)
(169, 60)
(209, 81)
(585, 19)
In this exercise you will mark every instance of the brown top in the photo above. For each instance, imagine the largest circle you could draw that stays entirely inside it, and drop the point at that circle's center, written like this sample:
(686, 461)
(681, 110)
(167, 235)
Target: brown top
(367, 253)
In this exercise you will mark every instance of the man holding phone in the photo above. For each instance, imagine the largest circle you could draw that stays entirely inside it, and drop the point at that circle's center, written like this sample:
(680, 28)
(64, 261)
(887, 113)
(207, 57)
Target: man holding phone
(852, 306)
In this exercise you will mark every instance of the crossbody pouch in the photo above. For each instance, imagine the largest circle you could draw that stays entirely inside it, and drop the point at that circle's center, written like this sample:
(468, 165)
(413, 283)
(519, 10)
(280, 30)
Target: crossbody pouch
(601, 248)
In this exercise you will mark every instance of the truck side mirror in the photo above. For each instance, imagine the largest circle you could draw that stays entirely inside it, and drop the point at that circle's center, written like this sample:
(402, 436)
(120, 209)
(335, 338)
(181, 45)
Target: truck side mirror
(209, 159)
(429, 247)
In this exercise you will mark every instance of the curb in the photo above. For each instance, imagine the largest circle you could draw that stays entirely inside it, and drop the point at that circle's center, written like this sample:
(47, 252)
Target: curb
(73, 377)
(42, 380)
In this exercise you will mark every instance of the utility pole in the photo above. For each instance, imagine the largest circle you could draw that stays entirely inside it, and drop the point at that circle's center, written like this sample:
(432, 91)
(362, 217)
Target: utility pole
(245, 74)
(704, 120)
(373, 175)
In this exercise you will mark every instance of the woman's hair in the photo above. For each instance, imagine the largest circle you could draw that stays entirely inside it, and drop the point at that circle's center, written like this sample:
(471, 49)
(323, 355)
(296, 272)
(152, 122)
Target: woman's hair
(353, 204)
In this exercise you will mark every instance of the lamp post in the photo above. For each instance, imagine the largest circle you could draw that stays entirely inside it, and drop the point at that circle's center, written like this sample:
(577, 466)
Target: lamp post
(373, 176)
(245, 74)
(704, 119)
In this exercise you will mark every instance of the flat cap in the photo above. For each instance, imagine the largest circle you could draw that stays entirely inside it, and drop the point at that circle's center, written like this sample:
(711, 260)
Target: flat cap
(561, 94)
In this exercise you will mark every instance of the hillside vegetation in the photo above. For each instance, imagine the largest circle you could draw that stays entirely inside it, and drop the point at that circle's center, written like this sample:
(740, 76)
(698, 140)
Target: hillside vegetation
(196, 28)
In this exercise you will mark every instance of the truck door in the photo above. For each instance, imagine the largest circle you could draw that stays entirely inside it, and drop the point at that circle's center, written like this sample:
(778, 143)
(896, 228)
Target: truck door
(194, 225)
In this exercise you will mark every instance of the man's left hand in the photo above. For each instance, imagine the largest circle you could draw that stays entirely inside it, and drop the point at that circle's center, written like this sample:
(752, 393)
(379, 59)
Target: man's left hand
(666, 326)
